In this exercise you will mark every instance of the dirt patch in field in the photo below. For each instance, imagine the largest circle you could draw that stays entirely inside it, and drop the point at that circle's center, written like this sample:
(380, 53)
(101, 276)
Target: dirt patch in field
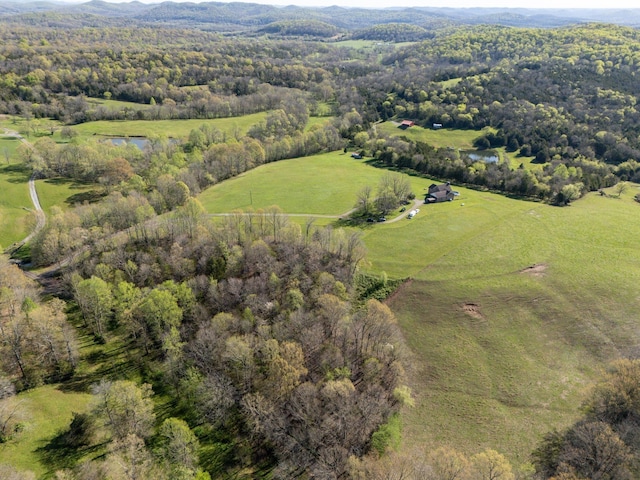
(536, 270)
(473, 310)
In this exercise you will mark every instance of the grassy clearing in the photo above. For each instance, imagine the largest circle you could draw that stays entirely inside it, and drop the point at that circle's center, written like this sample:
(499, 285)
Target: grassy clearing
(16, 216)
(64, 193)
(169, 128)
(117, 105)
(48, 411)
(15, 203)
(458, 139)
(323, 184)
(370, 44)
(313, 121)
(357, 44)
(441, 138)
(452, 82)
(515, 160)
(8, 146)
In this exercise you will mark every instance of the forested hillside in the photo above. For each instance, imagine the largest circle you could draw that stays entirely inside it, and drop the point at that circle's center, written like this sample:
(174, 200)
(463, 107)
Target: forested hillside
(250, 345)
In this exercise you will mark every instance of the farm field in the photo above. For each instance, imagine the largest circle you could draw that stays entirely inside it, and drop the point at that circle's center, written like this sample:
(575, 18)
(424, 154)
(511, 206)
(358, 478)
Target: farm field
(16, 217)
(370, 44)
(178, 129)
(116, 105)
(512, 309)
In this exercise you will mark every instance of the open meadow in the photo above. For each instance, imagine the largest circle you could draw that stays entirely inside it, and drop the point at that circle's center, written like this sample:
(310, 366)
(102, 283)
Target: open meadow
(511, 308)
(64, 193)
(440, 138)
(167, 128)
(457, 139)
(324, 184)
(16, 217)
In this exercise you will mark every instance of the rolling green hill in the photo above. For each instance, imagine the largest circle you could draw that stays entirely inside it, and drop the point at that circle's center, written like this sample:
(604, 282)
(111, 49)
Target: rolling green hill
(511, 309)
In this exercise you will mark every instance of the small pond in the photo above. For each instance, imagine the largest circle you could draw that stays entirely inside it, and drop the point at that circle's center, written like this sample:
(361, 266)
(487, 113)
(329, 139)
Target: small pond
(140, 142)
(487, 156)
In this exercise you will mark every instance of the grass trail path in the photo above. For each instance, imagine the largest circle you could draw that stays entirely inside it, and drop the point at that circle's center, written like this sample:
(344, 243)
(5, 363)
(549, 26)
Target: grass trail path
(416, 204)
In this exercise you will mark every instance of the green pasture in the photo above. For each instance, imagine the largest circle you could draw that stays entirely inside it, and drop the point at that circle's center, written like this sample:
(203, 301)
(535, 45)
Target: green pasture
(515, 160)
(313, 121)
(15, 204)
(358, 44)
(16, 209)
(117, 105)
(8, 146)
(512, 307)
(441, 138)
(47, 411)
(168, 128)
(457, 139)
(29, 128)
(324, 184)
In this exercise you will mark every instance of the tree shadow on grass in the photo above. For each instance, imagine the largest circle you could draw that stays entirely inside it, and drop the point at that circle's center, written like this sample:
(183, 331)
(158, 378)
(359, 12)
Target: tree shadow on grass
(355, 222)
(16, 173)
(113, 364)
(90, 196)
(221, 452)
(57, 455)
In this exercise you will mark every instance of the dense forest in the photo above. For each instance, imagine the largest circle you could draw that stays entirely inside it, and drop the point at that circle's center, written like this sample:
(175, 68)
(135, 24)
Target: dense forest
(565, 96)
(275, 353)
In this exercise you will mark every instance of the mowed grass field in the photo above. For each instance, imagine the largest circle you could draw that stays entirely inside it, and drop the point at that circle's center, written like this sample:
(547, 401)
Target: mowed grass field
(64, 193)
(168, 128)
(325, 184)
(512, 307)
(179, 129)
(15, 204)
(441, 138)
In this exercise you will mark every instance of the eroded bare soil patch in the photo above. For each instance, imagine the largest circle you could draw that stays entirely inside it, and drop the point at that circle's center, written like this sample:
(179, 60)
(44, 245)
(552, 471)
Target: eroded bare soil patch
(473, 310)
(536, 270)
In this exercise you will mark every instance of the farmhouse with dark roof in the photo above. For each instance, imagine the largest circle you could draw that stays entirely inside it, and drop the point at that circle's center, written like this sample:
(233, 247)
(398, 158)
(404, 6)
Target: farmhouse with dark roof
(439, 193)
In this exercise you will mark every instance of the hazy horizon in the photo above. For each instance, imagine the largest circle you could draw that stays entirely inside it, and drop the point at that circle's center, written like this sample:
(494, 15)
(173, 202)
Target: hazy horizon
(376, 4)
